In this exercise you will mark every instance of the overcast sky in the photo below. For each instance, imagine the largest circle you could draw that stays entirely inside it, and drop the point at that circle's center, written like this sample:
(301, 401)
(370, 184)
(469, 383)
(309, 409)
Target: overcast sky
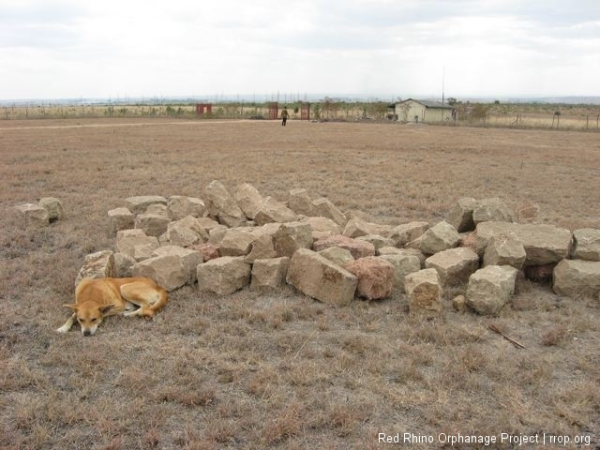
(386, 48)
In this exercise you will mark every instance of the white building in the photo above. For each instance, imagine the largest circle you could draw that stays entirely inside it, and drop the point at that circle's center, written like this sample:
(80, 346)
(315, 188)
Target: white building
(423, 111)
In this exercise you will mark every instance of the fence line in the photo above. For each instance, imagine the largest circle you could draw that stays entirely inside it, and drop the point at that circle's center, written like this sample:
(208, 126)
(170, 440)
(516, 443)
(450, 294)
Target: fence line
(323, 110)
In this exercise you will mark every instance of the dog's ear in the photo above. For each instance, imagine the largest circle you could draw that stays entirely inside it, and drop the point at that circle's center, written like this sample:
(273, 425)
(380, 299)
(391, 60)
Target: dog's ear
(72, 306)
(105, 309)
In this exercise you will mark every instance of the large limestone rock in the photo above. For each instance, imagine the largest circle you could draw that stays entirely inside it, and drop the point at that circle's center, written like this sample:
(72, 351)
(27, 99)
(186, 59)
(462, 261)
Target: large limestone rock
(179, 206)
(389, 250)
(189, 259)
(236, 242)
(454, 266)
(269, 273)
(158, 209)
(291, 237)
(166, 270)
(223, 276)
(249, 199)
(375, 277)
(317, 277)
(322, 227)
(586, 244)
(217, 234)
(124, 265)
(323, 207)
(184, 232)
(300, 202)
(404, 252)
(139, 204)
(491, 288)
(359, 249)
(574, 278)
(337, 255)
(424, 292)
(377, 240)
(97, 265)
(438, 238)
(152, 224)
(543, 244)
(492, 209)
(221, 205)
(505, 249)
(207, 224)
(261, 248)
(357, 227)
(54, 207)
(486, 230)
(136, 243)
(403, 265)
(120, 219)
(36, 216)
(461, 215)
(408, 232)
(268, 229)
(273, 211)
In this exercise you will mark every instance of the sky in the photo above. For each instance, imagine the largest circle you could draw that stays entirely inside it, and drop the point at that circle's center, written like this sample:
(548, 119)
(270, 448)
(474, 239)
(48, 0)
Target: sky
(52, 49)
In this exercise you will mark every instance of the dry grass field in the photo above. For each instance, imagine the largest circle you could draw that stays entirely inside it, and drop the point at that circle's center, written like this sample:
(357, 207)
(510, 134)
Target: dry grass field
(280, 370)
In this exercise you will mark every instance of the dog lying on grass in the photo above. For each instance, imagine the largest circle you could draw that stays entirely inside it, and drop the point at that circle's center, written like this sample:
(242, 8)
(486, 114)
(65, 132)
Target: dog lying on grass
(102, 297)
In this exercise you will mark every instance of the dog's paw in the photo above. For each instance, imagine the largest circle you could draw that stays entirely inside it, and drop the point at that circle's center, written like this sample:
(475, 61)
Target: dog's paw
(62, 330)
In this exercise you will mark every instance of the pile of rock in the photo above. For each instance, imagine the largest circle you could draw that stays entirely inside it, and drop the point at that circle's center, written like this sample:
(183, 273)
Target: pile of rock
(48, 210)
(229, 241)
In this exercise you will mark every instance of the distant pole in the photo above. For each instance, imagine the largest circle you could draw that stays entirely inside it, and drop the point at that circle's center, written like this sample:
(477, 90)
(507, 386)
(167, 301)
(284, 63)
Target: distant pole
(443, 83)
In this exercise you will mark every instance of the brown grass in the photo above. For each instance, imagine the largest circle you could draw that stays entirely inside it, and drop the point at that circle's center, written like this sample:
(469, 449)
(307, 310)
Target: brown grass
(279, 370)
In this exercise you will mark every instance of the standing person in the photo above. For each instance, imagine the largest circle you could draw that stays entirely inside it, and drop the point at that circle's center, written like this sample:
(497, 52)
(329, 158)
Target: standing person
(284, 116)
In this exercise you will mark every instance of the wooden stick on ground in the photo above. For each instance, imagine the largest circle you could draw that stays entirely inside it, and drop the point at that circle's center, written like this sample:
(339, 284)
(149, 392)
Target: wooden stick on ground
(512, 341)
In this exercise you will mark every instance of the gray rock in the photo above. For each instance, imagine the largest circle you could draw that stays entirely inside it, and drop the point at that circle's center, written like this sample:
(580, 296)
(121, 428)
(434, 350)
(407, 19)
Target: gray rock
(317, 277)
(97, 265)
(438, 238)
(54, 207)
(223, 276)
(586, 244)
(505, 249)
(491, 288)
(180, 206)
(269, 273)
(461, 215)
(492, 209)
(36, 216)
(120, 219)
(403, 265)
(577, 277)
(221, 205)
(454, 266)
(249, 200)
(139, 204)
(424, 292)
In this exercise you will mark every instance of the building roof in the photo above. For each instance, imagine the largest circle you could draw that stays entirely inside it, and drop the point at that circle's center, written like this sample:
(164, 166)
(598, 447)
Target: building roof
(428, 104)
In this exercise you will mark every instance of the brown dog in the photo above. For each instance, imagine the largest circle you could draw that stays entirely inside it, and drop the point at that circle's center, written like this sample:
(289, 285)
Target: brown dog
(102, 297)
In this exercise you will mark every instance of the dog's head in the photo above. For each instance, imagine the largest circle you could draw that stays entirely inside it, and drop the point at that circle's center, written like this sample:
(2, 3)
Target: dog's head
(89, 315)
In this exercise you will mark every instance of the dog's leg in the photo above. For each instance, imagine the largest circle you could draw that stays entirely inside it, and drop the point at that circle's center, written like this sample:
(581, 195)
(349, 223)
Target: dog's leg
(149, 299)
(135, 312)
(68, 324)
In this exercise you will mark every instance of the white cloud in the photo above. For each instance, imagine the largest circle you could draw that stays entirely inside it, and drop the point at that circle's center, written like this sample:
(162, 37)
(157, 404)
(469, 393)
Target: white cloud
(62, 48)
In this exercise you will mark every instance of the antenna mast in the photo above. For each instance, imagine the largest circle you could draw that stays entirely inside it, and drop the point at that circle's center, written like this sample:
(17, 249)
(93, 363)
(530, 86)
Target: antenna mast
(443, 83)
